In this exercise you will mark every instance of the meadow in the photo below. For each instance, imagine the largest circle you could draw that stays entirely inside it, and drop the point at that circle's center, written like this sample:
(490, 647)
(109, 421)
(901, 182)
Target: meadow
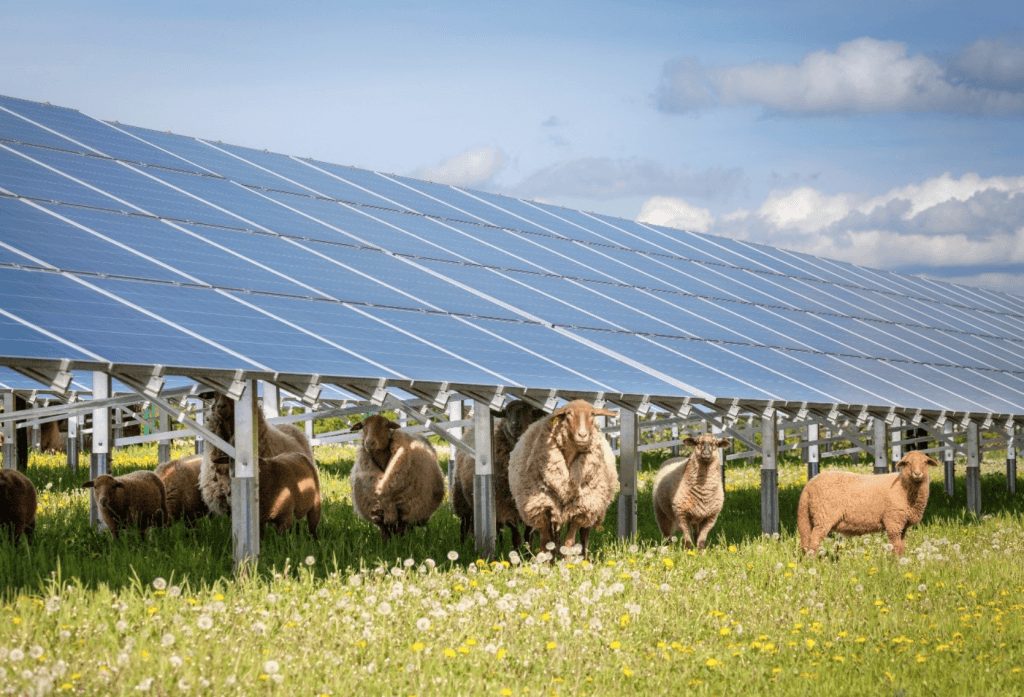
(84, 614)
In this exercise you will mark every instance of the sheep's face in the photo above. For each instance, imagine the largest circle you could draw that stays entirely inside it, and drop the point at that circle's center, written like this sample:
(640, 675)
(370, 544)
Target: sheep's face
(577, 420)
(517, 417)
(705, 447)
(914, 466)
(222, 417)
(376, 432)
(111, 495)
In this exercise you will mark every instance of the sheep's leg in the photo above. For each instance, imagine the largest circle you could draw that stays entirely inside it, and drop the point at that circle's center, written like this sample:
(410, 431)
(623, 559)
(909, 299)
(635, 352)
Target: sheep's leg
(818, 535)
(527, 534)
(517, 538)
(687, 531)
(570, 537)
(313, 521)
(584, 536)
(895, 539)
(666, 521)
(705, 529)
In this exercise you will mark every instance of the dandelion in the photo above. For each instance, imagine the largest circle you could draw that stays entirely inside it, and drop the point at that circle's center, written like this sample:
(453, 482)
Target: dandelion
(145, 685)
(506, 692)
(271, 667)
(418, 646)
(159, 583)
(615, 645)
(205, 622)
(183, 685)
(712, 662)
(551, 646)
(423, 624)
(167, 640)
(174, 591)
(810, 643)
(724, 631)
(733, 549)
(627, 672)
(453, 555)
(310, 560)
(16, 655)
(384, 608)
(409, 563)
(668, 563)
(449, 653)
(176, 661)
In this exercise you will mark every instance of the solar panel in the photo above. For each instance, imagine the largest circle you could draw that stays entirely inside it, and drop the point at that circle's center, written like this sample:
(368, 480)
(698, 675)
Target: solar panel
(200, 254)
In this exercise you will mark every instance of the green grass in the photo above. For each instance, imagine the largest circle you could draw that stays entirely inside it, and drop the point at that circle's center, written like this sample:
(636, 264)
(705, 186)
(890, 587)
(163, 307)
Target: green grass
(348, 614)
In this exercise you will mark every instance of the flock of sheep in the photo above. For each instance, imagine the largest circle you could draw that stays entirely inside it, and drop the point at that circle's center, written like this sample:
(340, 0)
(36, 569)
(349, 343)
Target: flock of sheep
(554, 476)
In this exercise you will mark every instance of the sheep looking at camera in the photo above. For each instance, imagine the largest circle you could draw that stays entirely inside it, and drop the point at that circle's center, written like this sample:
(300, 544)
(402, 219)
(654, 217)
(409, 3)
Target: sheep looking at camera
(396, 481)
(215, 472)
(688, 492)
(857, 504)
(136, 499)
(17, 504)
(562, 474)
(515, 419)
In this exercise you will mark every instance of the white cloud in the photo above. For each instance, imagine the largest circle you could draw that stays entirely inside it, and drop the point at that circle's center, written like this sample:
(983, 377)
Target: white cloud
(861, 76)
(675, 212)
(992, 62)
(473, 167)
(969, 225)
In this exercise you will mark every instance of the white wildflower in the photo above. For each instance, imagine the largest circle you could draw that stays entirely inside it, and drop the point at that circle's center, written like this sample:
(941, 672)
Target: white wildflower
(159, 583)
(453, 555)
(145, 685)
(167, 640)
(176, 661)
(310, 560)
(423, 624)
(204, 622)
(271, 667)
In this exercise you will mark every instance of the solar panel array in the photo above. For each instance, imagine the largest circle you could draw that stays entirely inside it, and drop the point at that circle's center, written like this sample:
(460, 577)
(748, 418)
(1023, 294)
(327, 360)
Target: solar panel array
(129, 246)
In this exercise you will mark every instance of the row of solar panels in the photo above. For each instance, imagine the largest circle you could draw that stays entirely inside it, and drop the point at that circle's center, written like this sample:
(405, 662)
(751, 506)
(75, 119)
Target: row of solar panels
(262, 261)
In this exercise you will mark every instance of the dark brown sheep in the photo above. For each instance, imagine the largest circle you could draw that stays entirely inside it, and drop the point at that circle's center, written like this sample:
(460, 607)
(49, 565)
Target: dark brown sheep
(17, 504)
(289, 490)
(136, 499)
(181, 485)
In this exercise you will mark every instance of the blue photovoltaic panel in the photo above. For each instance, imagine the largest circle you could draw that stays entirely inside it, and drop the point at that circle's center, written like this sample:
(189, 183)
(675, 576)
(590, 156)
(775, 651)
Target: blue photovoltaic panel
(348, 262)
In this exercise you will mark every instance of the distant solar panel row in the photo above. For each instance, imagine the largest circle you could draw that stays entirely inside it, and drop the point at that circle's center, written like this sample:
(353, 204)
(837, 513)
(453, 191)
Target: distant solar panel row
(201, 254)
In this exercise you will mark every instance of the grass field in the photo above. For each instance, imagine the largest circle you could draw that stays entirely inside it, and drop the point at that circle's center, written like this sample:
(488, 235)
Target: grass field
(346, 614)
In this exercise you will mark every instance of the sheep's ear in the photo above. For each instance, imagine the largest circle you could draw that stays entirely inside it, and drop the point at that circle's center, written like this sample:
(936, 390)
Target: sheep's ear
(690, 441)
(392, 425)
(604, 412)
(902, 463)
(357, 426)
(932, 462)
(498, 413)
(89, 484)
(723, 442)
(560, 411)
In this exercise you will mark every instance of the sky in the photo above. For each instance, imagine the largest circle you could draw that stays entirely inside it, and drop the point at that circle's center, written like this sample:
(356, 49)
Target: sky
(889, 134)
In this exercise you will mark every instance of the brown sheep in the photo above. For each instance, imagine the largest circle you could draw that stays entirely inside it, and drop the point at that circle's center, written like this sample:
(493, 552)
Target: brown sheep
(562, 474)
(289, 490)
(515, 418)
(17, 504)
(51, 438)
(135, 499)
(181, 485)
(857, 504)
(215, 472)
(688, 492)
(396, 481)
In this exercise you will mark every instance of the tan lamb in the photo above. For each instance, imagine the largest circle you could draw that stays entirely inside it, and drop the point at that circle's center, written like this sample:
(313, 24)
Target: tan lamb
(515, 418)
(17, 504)
(215, 472)
(136, 499)
(562, 474)
(396, 481)
(289, 491)
(688, 492)
(857, 504)
(181, 485)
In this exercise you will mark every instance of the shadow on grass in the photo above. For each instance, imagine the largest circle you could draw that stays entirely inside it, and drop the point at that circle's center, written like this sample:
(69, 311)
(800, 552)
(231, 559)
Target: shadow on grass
(66, 546)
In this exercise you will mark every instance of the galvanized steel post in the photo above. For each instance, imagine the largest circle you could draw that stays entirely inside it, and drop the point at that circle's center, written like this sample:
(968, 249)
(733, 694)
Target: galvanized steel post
(947, 457)
(163, 447)
(769, 472)
(881, 452)
(629, 430)
(1011, 458)
(72, 445)
(973, 468)
(484, 525)
(99, 459)
(245, 478)
(813, 451)
(10, 439)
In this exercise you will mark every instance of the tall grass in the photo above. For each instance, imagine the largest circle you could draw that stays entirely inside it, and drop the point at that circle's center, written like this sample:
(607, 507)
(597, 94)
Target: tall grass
(84, 613)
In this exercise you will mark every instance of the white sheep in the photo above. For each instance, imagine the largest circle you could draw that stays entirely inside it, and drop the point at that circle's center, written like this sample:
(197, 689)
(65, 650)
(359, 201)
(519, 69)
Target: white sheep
(562, 474)
(215, 472)
(515, 418)
(688, 492)
(857, 504)
(396, 481)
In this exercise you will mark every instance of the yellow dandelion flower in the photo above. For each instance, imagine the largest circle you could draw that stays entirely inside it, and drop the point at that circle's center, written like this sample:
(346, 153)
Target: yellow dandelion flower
(724, 631)
(776, 670)
(861, 639)
(551, 646)
(463, 649)
(505, 692)
(712, 662)
(627, 672)
(418, 646)
(449, 653)
(920, 658)
(838, 659)
(810, 643)
(615, 645)
(733, 548)
(669, 563)
(500, 653)
(624, 620)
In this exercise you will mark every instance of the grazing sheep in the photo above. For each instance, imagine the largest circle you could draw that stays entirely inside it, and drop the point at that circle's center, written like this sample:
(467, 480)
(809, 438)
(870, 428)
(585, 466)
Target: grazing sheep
(215, 473)
(17, 504)
(289, 491)
(396, 481)
(857, 504)
(515, 418)
(52, 439)
(688, 492)
(562, 473)
(181, 485)
(134, 499)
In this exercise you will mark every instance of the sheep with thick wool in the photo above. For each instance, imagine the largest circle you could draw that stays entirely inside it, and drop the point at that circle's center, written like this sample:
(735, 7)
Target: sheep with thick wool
(215, 472)
(562, 474)
(858, 504)
(688, 492)
(515, 419)
(396, 481)
(181, 486)
(136, 499)
(289, 490)
(17, 504)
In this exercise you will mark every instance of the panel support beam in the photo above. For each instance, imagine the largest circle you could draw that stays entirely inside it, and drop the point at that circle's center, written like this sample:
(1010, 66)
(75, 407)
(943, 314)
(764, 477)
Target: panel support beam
(163, 448)
(1011, 457)
(245, 509)
(813, 450)
(10, 432)
(881, 452)
(769, 473)
(629, 459)
(271, 400)
(973, 468)
(897, 436)
(948, 461)
(99, 459)
(484, 520)
(73, 445)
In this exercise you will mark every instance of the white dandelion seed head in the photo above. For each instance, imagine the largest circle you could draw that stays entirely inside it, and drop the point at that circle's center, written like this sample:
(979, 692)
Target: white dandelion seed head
(397, 571)
(167, 640)
(36, 651)
(15, 655)
(430, 563)
(310, 560)
(922, 588)
(665, 588)
(384, 608)
(145, 685)
(271, 598)
(204, 622)
(183, 685)
(549, 546)
(176, 661)
(174, 591)
(408, 563)
(271, 667)
(423, 624)
(904, 561)
(453, 555)
(159, 583)
(513, 557)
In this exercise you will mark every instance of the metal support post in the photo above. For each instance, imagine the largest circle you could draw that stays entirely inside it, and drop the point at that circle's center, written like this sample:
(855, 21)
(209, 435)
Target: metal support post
(271, 400)
(769, 473)
(675, 436)
(948, 460)
(813, 451)
(36, 436)
(897, 435)
(1011, 459)
(21, 438)
(99, 459)
(307, 425)
(973, 468)
(629, 459)
(163, 448)
(455, 413)
(484, 522)
(200, 417)
(717, 431)
(73, 443)
(10, 435)
(881, 452)
(245, 509)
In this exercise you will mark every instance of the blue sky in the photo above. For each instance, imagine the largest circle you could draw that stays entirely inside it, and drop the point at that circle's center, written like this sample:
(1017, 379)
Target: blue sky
(884, 133)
